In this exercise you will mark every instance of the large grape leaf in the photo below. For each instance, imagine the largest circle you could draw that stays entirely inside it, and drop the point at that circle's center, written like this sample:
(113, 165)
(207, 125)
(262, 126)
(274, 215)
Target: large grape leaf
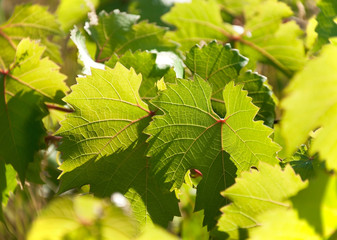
(145, 63)
(190, 135)
(318, 203)
(255, 193)
(219, 65)
(326, 25)
(312, 103)
(119, 32)
(32, 21)
(103, 144)
(30, 72)
(263, 37)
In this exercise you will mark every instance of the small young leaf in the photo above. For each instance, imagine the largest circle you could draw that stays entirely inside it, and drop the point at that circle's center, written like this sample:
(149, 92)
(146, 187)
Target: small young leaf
(255, 193)
(31, 21)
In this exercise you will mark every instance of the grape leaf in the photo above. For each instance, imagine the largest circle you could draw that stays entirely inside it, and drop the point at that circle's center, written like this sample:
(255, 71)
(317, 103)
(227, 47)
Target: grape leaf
(22, 130)
(106, 127)
(191, 135)
(255, 193)
(311, 104)
(68, 15)
(196, 21)
(109, 116)
(118, 32)
(318, 203)
(326, 26)
(31, 73)
(145, 63)
(32, 21)
(219, 65)
(82, 217)
(287, 225)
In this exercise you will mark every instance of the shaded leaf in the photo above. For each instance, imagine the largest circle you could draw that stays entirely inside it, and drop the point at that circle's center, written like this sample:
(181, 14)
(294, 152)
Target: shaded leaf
(130, 173)
(22, 129)
(119, 32)
(326, 25)
(255, 193)
(191, 135)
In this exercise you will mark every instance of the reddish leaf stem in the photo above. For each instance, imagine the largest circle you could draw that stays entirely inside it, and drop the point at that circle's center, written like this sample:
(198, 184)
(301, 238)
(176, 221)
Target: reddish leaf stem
(62, 109)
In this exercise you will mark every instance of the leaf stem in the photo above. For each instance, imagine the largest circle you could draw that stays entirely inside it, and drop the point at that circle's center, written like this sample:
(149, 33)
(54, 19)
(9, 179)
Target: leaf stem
(59, 108)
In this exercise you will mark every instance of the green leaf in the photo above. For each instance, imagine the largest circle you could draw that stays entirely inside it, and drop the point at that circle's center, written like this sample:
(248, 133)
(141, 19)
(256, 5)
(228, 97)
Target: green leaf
(145, 63)
(270, 41)
(32, 21)
(106, 127)
(263, 37)
(8, 184)
(21, 131)
(70, 12)
(326, 25)
(196, 22)
(311, 104)
(283, 224)
(318, 203)
(219, 65)
(109, 116)
(82, 217)
(255, 193)
(190, 135)
(128, 172)
(118, 32)
(31, 73)
(156, 233)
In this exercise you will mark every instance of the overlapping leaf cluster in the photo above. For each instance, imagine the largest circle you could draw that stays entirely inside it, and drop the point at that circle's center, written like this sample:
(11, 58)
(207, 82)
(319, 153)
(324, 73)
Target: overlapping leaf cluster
(154, 103)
